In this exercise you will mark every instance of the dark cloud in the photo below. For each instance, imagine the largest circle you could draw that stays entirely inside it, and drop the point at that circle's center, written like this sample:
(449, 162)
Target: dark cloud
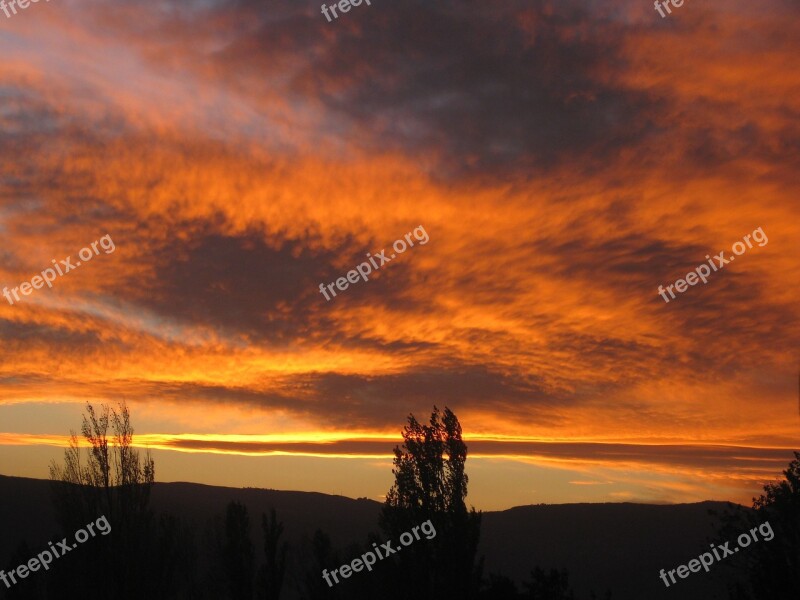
(513, 86)
(356, 400)
(744, 459)
(240, 283)
(349, 401)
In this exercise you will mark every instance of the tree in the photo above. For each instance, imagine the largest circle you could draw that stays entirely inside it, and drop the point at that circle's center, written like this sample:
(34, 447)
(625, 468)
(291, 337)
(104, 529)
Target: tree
(318, 554)
(771, 568)
(499, 587)
(238, 552)
(272, 573)
(431, 484)
(115, 482)
(548, 586)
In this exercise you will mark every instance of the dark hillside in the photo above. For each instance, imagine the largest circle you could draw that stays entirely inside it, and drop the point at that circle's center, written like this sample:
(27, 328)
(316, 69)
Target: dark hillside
(616, 546)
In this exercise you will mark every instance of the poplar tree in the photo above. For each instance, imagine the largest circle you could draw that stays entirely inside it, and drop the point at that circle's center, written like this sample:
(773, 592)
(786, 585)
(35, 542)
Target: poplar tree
(431, 484)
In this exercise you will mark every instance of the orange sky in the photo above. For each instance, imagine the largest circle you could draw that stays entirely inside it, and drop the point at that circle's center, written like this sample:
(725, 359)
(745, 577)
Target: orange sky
(565, 161)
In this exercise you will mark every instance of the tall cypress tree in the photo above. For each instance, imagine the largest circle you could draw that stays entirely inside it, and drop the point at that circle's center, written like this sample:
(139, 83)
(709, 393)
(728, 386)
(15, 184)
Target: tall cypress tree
(431, 485)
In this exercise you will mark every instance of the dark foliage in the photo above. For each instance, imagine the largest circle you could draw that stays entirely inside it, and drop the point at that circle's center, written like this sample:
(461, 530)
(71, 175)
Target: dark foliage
(769, 570)
(431, 485)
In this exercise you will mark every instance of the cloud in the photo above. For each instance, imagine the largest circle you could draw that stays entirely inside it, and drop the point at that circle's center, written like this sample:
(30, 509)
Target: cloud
(566, 159)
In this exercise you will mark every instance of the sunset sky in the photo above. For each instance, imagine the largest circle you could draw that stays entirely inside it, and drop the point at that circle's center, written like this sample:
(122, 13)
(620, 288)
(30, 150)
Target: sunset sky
(565, 159)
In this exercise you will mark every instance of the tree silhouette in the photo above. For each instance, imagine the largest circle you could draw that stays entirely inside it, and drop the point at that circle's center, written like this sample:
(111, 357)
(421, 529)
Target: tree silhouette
(548, 586)
(771, 568)
(431, 484)
(114, 482)
(272, 573)
(543, 585)
(238, 552)
(499, 587)
(178, 557)
(318, 554)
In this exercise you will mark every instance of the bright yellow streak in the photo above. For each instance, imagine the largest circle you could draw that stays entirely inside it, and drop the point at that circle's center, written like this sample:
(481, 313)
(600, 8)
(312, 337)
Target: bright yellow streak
(162, 441)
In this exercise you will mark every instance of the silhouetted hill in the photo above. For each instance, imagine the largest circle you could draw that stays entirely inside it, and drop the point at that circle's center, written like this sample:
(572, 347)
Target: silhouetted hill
(345, 520)
(621, 547)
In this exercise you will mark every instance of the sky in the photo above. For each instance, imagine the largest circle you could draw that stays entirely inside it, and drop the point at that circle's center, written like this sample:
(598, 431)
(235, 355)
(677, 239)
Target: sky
(560, 160)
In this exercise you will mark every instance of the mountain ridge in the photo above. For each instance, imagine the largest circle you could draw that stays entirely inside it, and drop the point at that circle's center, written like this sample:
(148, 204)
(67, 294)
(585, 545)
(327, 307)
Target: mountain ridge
(617, 546)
